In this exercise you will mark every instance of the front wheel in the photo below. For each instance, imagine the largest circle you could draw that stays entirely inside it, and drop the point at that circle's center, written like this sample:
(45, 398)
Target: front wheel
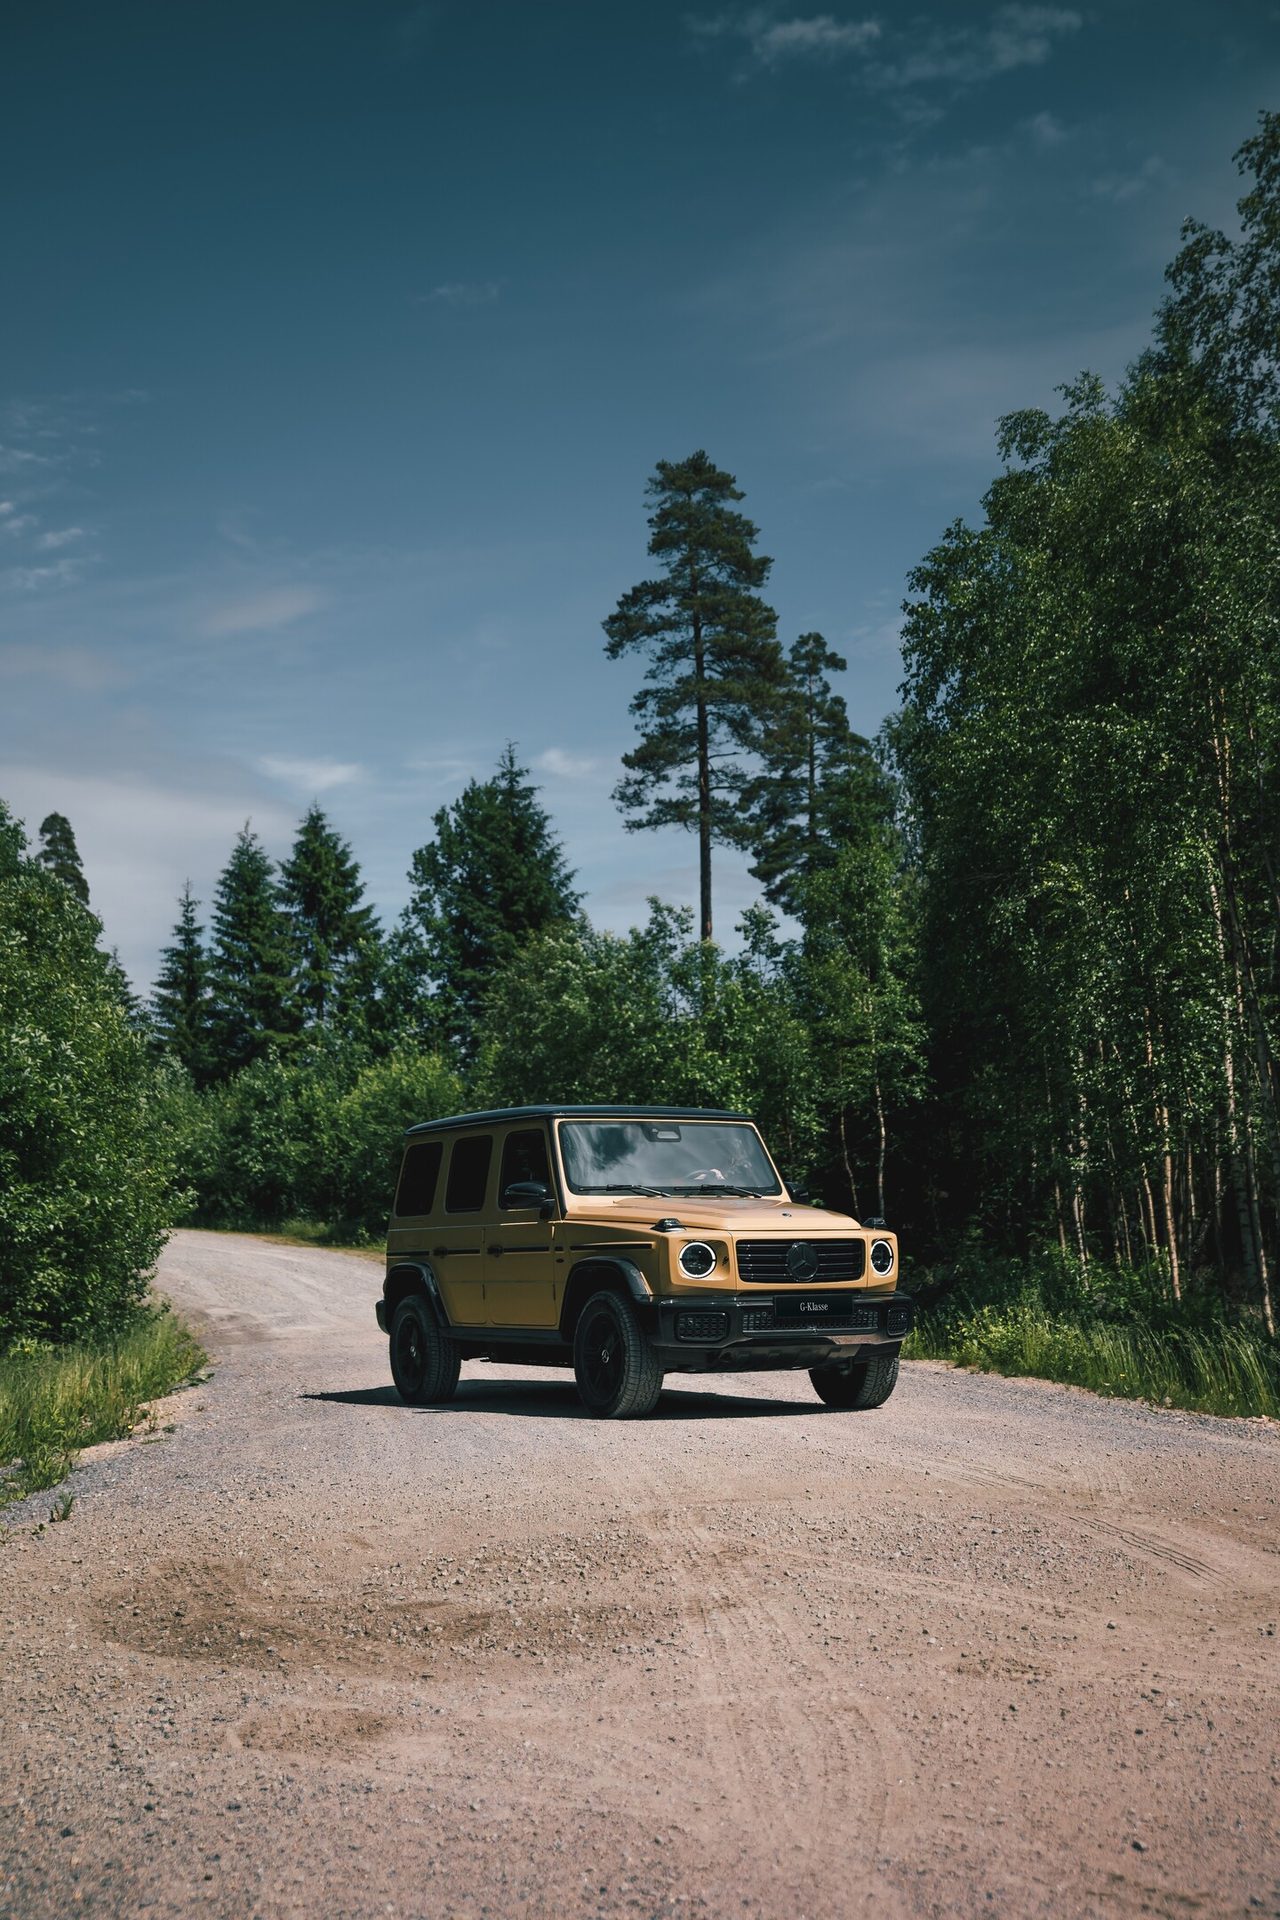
(867, 1383)
(425, 1362)
(617, 1371)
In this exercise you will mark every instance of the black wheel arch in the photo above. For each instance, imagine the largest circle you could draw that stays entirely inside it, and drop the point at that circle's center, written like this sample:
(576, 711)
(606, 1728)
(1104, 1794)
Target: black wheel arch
(408, 1277)
(608, 1275)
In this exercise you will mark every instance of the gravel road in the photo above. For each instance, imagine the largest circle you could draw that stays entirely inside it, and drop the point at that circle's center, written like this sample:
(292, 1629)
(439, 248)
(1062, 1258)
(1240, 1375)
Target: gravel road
(999, 1648)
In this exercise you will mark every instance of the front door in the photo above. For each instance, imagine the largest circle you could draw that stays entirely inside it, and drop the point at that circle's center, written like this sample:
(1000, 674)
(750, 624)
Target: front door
(519, 1270)
(458, 1233)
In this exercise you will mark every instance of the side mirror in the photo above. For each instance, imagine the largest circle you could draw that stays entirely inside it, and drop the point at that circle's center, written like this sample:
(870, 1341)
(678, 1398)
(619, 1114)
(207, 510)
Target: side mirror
(530, 1193)
(797, 1189)
(874, 1220)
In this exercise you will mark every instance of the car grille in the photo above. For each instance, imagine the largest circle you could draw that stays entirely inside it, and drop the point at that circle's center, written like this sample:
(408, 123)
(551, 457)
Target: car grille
(763, 1263)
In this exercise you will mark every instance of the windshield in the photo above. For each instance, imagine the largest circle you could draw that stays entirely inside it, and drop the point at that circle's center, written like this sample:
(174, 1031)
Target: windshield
(664, 1156)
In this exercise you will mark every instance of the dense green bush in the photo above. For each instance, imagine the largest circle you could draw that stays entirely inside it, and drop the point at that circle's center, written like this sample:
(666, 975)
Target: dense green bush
(315, 1134)
(84, 1171)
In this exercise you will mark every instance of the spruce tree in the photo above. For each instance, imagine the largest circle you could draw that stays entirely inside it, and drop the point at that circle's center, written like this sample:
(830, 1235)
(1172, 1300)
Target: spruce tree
(251, 969)
(335, 936)
(494, 875)
(715, 668)
(819, 788)
(182, 1005)
(59, 853)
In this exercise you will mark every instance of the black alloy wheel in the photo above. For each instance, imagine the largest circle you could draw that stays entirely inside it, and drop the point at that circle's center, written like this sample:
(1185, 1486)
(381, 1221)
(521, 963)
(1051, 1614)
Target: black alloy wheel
(857, 1388)
(425, 1363)
(618, 1373)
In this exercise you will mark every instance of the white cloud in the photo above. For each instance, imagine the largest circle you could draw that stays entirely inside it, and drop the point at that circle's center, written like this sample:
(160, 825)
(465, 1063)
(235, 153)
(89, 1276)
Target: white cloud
(32, 579)
(16, 523)
(59, 537)
(566, 766)
(817, 36)
(1124, 186)
(19, 459)
(464, 293)
(262, 612)
(311, 776)
(140, 839)
(79, 669)
(1045, 131)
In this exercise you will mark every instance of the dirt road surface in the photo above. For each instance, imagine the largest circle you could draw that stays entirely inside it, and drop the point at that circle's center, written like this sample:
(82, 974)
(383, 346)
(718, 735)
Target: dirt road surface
(999, 1648)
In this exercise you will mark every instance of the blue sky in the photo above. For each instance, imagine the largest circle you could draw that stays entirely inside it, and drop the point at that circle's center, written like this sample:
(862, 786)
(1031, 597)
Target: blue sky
(340, 339)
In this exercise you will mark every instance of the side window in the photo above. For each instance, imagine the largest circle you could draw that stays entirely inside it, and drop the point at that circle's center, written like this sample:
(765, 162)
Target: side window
(416, 1193)
(524, 1157)
(469, 1173)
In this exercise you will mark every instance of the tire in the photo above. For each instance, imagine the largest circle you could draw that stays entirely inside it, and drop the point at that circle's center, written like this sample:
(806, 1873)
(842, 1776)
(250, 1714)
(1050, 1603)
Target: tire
(425, 1362)
(866, 1384)
(618, 1373)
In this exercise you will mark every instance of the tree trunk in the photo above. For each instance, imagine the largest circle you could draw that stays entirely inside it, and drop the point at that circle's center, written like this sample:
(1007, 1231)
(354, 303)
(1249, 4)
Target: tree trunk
(704, 784)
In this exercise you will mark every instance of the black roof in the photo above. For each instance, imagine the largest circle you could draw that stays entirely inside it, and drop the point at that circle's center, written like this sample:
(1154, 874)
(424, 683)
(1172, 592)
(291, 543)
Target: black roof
(499, 1115)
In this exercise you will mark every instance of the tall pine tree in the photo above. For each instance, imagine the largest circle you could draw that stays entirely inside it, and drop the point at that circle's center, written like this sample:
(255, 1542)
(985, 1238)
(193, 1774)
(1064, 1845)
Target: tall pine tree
(819, 788)
(715, 668)
(59, 853)
(335, 936)
(251, 974)
(182, 1004)
(493, 875)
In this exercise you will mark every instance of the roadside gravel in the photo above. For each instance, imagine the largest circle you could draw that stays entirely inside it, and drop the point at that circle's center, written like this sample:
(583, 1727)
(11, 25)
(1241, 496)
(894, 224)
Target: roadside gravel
(997, 1648)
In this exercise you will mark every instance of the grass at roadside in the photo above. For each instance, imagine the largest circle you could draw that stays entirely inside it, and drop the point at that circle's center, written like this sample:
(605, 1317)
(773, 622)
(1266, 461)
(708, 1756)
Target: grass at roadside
(311, 1233)
(1224, 1370)
(56, 1400)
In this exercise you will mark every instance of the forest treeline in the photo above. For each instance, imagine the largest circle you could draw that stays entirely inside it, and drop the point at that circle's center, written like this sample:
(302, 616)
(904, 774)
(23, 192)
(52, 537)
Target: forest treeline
(1023, 1000)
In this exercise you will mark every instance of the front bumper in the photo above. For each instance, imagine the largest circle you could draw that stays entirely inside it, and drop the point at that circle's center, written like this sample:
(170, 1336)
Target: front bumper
(699, 1331)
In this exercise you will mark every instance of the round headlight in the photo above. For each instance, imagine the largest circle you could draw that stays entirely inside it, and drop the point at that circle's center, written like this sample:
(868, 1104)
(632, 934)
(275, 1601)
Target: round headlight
(697, 1259)
(882, 1256)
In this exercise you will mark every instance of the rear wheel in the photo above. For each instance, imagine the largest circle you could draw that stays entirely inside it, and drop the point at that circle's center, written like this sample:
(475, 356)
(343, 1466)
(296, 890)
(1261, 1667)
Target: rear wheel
(425, 1362)
(865, 1384)
(618, 1374)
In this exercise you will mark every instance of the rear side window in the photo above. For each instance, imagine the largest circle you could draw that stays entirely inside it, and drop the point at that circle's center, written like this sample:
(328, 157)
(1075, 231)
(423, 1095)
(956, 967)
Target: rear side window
(469, 1173)
(416, 1193)
(524, 1157)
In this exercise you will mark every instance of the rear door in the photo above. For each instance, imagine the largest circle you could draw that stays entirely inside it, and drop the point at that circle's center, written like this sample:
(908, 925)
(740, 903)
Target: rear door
(457, 1232)
(519, 1267)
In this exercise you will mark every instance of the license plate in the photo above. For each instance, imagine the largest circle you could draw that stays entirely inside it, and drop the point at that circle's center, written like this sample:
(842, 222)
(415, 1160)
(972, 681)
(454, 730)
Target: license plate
(815, 1308)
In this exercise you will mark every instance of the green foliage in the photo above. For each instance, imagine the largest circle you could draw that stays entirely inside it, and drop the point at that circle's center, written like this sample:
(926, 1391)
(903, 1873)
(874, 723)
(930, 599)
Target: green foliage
(56, 1400)
(715, 668)
(83, 1174)
(60, 856)
(316, 1134)
(335, 942)
(182, 1002)
(493, 877)
(658, 1016)
(255, 1002)
(819, 788)
(1223, 1370)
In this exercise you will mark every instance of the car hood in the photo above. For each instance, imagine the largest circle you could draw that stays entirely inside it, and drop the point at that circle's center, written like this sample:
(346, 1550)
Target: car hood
(707, 1214)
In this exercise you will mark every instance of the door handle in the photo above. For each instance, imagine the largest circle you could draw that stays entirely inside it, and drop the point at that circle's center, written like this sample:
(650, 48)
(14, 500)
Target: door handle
(493, 1252)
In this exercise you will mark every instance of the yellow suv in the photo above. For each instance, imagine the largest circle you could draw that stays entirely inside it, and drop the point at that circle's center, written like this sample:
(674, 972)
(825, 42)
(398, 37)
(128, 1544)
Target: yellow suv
(628, 1243)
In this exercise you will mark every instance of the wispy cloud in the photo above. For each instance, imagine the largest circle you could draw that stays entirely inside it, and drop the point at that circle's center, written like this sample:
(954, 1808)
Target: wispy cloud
(30, 579)
(1045, 131)
(311, 776)
(563, 765)
(770, 41)
(262, 612)
(78, 669)
(463, 293)
(57, 537)
(1125, 186)
(894, 58)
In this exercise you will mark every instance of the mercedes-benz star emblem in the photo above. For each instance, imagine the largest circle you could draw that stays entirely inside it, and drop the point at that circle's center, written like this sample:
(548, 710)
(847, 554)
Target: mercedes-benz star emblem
(802, 1261)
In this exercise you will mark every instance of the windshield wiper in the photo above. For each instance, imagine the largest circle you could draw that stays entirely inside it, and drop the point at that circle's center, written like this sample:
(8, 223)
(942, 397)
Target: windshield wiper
(652, 1193)
(722, 1186)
